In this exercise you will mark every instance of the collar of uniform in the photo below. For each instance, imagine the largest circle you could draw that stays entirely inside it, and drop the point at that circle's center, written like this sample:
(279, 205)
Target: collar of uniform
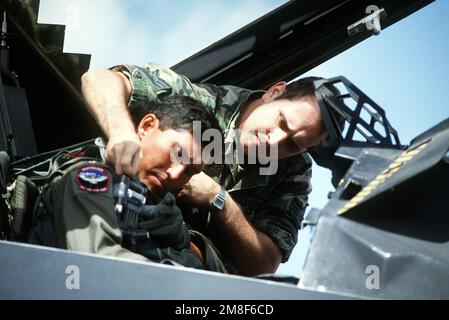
(249, 177)
(249, 96)
(230, 137)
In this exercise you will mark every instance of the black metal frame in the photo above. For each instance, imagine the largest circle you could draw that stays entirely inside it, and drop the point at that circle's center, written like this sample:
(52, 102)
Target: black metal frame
(329, 100)
(16, 132)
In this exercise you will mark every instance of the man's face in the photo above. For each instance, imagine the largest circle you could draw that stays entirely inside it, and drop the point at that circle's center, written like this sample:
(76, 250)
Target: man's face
(294, 125)
(157, 170)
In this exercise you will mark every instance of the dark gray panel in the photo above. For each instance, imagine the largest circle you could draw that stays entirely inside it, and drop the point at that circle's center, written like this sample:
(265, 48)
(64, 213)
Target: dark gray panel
(402, 230)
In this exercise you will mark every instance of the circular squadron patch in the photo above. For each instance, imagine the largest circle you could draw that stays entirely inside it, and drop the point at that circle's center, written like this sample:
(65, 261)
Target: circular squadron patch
(92, 179)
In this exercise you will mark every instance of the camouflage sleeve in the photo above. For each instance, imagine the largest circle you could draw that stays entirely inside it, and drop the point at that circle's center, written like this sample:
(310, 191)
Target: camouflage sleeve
(153, 83)
(281, 214)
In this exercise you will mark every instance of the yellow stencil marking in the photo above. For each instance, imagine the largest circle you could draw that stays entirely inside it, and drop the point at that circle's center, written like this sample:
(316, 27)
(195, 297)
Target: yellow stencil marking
(394, 167)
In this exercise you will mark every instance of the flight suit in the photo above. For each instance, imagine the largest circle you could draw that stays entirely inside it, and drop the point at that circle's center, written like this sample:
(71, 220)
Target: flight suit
(75, 211)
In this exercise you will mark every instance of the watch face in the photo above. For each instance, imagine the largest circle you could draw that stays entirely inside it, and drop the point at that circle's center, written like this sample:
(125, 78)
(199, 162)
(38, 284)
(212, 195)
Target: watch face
(219, 200)
(219, 203)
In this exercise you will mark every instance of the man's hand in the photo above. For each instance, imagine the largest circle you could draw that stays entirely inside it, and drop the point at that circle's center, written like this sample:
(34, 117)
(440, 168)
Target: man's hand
(165, 223)
(200, 190)
(250, 250)
(123, 153)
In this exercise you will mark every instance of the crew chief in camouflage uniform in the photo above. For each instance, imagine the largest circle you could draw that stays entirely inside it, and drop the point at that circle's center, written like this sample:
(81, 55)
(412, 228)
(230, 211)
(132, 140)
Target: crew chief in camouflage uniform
(258, 226)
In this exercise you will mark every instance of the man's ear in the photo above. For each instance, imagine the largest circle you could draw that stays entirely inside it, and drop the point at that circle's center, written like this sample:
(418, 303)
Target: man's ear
(149, 122)
(275, 91)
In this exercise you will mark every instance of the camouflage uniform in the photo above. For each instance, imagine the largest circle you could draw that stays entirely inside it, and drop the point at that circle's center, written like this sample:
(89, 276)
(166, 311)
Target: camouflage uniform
(274, 204)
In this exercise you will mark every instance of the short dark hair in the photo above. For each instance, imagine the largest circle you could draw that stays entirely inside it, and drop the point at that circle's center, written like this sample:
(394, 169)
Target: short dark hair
(177, 113)
(305, 87)
(300, 88)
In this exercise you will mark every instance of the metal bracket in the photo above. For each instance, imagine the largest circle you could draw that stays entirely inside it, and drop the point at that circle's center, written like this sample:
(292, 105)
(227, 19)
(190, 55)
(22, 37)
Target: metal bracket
(446, 157)
(367, 121)
(370, 23)
(312, 217)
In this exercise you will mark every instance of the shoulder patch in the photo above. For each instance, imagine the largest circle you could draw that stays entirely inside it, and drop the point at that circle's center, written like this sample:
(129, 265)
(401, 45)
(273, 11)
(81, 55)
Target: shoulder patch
(93, 179)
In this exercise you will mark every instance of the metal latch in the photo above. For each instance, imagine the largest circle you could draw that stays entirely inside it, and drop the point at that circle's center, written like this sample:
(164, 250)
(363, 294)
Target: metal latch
(370, 23)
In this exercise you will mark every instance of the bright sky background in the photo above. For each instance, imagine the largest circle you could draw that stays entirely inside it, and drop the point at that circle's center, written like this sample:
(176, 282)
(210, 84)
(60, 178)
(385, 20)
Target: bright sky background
(405, 69)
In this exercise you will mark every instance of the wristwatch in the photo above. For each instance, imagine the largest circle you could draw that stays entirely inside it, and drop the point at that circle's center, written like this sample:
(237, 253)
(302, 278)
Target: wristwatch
(219, 200)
